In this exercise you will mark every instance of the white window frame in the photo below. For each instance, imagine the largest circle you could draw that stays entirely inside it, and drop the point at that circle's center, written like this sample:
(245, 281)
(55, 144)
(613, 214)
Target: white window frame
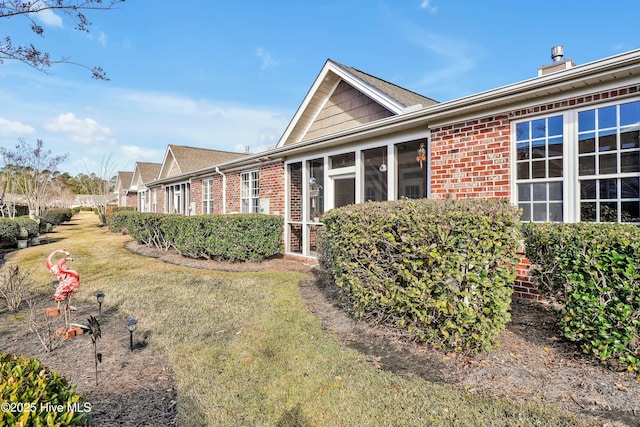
(571, 178)
(250, 192)
(207, 196)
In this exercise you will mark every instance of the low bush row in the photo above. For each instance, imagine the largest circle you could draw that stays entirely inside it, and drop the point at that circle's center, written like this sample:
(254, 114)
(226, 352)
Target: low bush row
(242, 237)
(441, 269)
(10, 227)
(593, 270)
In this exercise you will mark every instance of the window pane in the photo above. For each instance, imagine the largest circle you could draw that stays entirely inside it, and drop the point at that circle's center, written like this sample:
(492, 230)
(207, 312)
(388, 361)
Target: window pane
(523, 150)
(607, 140)
(630, 113)
(555, 168)
(555, 147)
(555, 126)
(555, 212)
(524, 192)
(629, 139)
(630, 212)
(375, 176)
(411, 178)
(526, 211)
(343, 160)
(588, 189)
(555, 191)
(609, 212)
(538, 129)
(540, 192)
(523, 170)
(522, 131)
(630, 162)
(538, 149)
(608, 163)
(609, 188)
(539, 211)
(588, 212)
(607, 117)
(630, 188)
(587, 143)
(587, 165)
(586, 120)
(538, 169)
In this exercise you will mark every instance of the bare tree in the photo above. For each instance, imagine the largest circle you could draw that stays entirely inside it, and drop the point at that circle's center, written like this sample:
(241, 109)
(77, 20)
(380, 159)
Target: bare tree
(31, 170)
(28, 53)
(101, 184)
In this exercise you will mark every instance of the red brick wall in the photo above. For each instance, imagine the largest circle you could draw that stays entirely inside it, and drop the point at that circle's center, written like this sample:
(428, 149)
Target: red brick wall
(471, 159)
(271, 183)
(195, 195)
(233, 191)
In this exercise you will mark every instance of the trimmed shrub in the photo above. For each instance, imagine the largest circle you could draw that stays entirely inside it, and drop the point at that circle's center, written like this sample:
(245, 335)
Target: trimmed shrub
(9, 230)
(593, 270)
(146, 228)
(32, 226)
(441, 269)
(57, 216)
(118, 222)
(241, 237)
(28, 387)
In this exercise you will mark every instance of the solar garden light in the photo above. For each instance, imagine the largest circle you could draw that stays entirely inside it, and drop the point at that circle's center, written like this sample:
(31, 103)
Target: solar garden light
(100, 298)
(131, 326)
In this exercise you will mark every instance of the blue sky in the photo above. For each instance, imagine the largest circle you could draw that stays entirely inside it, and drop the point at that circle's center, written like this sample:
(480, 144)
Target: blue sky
(225, 75)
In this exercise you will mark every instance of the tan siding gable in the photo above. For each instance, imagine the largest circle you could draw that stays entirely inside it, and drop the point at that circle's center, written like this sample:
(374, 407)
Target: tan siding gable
(347, 107)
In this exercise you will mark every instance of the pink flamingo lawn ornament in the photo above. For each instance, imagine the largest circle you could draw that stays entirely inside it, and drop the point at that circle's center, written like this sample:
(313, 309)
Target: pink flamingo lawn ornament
(68, 280)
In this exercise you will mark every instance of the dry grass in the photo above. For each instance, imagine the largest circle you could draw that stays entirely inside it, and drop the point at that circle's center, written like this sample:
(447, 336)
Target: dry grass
(246, 351)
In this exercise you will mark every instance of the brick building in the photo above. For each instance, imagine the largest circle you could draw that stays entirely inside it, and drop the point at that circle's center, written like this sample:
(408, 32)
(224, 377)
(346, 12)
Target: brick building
(564, 146)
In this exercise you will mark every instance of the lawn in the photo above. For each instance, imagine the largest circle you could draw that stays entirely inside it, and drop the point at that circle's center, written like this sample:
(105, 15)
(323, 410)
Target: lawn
(245, 350)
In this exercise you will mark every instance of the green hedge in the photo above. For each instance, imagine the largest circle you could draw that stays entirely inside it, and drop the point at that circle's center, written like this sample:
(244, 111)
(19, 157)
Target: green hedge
(242, 237)
(443, 270)
(57, 216)
(32, 390)
(593, 270)
(9, 230)
(32, 226)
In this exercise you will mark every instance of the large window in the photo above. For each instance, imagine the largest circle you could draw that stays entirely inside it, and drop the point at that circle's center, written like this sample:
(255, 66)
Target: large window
(609, 163)
(539, 166)
(580, 165)
(207, 196)
(249, 194)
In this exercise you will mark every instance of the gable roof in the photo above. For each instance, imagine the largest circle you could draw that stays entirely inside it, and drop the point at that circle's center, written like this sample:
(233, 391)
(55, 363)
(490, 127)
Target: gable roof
(395, 99)
(145, 172)
(180, 159)
(124, 179)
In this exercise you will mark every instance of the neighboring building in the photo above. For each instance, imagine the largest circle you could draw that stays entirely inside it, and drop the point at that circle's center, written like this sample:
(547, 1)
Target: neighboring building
(564, 146)
(123, 184)
(91, 200)
(172, 189)
(145, 172)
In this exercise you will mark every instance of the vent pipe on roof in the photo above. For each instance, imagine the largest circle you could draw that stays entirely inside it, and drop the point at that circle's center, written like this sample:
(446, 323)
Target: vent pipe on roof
(558, 64)
(557, 52)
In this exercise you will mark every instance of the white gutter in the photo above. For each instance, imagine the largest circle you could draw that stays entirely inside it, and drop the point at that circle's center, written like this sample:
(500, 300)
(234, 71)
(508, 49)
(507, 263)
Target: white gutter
(224, 190)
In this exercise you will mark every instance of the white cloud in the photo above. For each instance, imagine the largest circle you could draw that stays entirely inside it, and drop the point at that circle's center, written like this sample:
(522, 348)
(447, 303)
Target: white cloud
(102, 37)
(267, 59)
(426, 4)
(84, 131)
(48, 17)
(10, 128)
